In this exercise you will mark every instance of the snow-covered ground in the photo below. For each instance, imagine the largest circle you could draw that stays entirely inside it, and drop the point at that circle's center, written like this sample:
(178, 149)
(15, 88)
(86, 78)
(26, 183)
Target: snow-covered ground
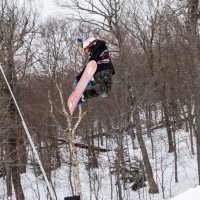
(101, 184)
(191, 194)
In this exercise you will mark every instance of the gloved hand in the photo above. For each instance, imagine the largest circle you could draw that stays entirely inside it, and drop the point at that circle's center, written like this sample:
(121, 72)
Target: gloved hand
(74, 84)
(90, 83)
(80, 102)
(79, 42)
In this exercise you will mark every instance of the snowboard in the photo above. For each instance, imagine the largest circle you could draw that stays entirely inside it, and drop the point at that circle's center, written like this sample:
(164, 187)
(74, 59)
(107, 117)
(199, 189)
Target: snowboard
(81, 85)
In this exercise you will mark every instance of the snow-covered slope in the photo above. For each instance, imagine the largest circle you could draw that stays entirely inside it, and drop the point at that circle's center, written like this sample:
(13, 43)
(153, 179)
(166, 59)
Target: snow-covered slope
(191, 194)
(102, 186)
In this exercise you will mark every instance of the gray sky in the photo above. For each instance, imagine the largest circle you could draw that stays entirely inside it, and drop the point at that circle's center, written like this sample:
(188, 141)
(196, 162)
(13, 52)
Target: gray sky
(49, 8)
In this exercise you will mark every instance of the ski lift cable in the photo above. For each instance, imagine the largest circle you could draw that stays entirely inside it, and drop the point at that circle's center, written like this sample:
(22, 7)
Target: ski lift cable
(51, 191)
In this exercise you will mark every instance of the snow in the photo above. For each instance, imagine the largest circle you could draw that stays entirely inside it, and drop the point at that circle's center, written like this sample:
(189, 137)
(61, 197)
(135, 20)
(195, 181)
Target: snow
(101, 185)
(191, 194)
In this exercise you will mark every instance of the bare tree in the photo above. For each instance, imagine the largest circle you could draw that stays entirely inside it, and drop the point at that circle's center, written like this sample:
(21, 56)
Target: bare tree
(59, 59)
(153, 186)
(193, 14)
(16, 27)
(100, 16)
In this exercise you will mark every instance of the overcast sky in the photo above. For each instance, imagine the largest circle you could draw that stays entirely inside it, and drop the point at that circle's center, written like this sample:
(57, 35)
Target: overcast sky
(49, 8)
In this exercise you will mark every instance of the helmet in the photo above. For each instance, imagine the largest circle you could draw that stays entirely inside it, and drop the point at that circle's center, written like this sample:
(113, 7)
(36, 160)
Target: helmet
(89, 42)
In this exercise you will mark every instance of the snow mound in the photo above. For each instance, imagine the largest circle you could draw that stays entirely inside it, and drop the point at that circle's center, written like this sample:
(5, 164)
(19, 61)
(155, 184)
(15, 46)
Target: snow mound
(193, 194)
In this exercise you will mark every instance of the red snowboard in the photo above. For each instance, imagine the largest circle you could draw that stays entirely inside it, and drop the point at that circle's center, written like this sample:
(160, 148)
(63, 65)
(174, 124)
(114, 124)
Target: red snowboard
(81, 86)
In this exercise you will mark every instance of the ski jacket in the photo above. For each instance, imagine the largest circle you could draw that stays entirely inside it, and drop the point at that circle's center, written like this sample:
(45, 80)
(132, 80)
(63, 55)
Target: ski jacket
(99, 53)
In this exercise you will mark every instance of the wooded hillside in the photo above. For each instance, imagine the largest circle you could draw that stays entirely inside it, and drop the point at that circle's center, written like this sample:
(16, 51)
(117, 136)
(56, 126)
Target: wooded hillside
(154, 46)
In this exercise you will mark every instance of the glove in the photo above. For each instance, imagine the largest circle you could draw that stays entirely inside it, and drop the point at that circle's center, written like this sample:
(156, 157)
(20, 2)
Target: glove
(74, 84)
(79, 42)
(90, 83)
(80, 102)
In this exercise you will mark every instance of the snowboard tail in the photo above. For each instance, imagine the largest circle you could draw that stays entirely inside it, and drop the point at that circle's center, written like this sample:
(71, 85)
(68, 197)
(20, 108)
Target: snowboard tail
(81, 86)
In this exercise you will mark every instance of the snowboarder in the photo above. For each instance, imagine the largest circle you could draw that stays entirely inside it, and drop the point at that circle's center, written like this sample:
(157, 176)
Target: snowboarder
(101, 82)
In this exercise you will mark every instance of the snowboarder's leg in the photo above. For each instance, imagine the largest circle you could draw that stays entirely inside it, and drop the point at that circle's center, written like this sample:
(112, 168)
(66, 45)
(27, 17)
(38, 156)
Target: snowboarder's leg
(88, 94)
(103, 82)
(100, 85)
(108, 79)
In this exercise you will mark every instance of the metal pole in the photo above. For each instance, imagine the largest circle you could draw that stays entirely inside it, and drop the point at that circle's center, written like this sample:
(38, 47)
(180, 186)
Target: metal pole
(51, 191)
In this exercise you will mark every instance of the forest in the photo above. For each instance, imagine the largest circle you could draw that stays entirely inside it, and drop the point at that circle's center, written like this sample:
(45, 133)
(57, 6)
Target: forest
(154, 47)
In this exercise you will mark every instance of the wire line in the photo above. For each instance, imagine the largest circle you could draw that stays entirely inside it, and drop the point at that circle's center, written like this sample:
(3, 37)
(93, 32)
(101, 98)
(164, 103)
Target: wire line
(51, 191)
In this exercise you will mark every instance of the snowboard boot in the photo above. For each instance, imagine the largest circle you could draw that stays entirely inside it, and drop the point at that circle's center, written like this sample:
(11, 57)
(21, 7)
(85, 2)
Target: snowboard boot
(104, 94)
(90, 93)
(108, 80)
(108, 84)
(101, 90)
(80, 102)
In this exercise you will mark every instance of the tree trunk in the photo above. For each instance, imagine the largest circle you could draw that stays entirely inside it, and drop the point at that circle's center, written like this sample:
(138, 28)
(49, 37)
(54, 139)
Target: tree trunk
(148, 116)
(74, 163)
(22, 155)
(191, 128)
(8, 173)
(153, 186)
(175, 154)
(193, 47)
(13, 152)
(12, 137)
(15, 169)
(167, 125)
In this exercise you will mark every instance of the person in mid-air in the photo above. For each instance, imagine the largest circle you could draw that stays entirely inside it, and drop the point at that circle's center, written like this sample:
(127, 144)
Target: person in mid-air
(101, 82)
